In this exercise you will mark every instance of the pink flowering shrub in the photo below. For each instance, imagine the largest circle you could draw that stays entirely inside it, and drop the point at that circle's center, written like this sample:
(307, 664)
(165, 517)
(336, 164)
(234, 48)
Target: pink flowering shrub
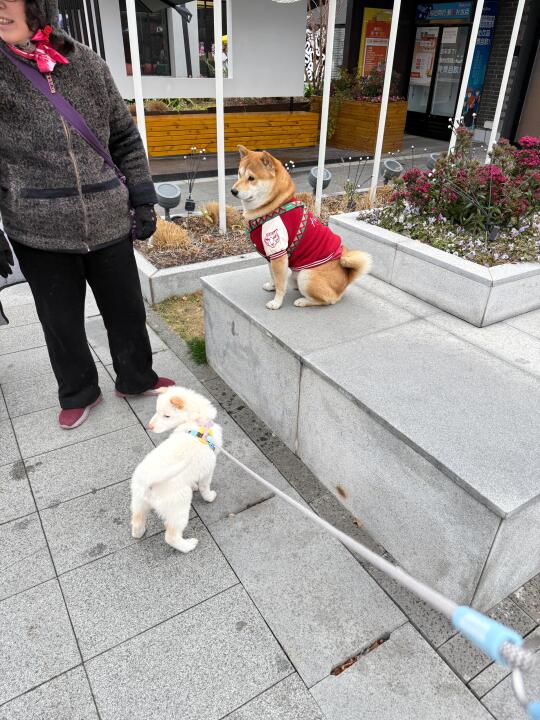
(487, 213)
(473, 195)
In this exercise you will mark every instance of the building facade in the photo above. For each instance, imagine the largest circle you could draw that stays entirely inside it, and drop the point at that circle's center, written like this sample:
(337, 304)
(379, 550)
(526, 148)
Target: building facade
(263, 44)
(430, 54)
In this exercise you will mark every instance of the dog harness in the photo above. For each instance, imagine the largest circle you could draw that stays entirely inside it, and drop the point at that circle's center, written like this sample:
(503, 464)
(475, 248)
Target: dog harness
(294, 231)
(205, 435)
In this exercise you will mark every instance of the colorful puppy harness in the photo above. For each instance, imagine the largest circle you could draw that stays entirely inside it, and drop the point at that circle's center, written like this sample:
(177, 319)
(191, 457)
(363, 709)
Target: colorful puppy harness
(205, 434)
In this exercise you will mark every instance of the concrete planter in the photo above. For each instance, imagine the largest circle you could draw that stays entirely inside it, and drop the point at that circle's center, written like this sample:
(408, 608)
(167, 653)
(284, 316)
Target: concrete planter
(158, 285)
(481, 296)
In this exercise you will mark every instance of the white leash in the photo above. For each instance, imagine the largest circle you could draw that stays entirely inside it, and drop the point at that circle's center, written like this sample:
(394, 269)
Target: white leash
(502, 644)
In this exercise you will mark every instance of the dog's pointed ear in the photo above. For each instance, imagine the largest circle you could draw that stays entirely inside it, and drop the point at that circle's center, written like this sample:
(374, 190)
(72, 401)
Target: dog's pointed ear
(178, 402)
(243, 151)
(268, 161)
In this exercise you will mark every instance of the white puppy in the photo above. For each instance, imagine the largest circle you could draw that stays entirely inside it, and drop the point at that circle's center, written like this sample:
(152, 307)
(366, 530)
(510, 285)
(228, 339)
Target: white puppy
(166, 478)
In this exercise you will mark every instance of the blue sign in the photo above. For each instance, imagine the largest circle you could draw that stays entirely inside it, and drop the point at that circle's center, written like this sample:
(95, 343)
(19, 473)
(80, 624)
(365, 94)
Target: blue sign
(480, 61)
(444, 12)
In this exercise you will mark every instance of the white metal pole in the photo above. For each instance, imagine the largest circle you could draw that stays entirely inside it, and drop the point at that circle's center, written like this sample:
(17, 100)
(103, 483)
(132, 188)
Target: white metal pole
(506, 75)
(136, 69)
(384, 99)
(220, 115)
(466, 71)
(329, 53)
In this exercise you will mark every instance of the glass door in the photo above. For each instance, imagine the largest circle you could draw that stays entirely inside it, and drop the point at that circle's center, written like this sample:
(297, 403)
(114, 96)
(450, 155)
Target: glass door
(449, 70)
(425, 50)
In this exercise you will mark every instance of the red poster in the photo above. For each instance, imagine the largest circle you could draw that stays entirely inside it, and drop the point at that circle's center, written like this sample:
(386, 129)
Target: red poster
(376, 44)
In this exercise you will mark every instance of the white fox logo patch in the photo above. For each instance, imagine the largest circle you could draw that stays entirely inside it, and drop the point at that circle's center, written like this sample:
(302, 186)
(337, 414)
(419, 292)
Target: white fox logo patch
(271, 238)
(274, 236)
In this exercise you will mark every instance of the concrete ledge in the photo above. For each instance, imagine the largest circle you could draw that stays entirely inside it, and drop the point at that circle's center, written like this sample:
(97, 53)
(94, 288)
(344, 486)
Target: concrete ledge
(411, 427)
(158, 285)
(477, 294)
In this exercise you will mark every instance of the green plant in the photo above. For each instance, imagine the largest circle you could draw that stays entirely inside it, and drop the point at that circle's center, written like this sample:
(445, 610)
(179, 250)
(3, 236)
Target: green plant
(489, 213)
(197, 348)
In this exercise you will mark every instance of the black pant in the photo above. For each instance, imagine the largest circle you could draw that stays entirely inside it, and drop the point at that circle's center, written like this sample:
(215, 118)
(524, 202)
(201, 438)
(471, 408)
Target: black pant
(58, 284)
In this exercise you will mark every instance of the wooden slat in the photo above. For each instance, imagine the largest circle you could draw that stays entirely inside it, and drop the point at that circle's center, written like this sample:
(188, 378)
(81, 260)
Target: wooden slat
(177, 134)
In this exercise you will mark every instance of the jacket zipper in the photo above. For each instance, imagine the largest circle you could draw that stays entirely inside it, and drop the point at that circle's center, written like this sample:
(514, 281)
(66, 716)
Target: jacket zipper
(75, 168)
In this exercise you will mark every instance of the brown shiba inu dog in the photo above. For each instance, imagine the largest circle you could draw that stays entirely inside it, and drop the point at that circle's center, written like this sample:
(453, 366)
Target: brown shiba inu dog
(290, 237)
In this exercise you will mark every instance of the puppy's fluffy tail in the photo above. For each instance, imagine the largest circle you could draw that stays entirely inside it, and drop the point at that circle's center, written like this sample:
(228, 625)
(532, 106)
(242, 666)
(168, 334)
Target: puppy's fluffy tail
(355, 262)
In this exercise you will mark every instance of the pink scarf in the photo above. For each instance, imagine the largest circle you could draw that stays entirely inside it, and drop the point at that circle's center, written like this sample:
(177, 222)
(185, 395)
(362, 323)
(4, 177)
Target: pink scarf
(44, 54)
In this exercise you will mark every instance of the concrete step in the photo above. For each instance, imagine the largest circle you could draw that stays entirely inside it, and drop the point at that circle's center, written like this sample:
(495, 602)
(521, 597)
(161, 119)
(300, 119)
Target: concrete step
(426, 435)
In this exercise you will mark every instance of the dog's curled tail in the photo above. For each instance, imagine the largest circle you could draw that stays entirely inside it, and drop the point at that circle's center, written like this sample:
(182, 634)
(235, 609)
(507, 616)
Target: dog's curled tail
(356, 262)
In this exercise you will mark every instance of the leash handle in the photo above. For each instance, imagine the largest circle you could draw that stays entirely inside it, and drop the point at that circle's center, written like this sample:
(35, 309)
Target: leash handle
(484, 632)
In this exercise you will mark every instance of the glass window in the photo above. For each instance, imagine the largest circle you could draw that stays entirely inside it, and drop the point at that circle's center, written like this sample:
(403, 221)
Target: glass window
(451, 56)
(425, 48)
(153, 27)
(207, 47)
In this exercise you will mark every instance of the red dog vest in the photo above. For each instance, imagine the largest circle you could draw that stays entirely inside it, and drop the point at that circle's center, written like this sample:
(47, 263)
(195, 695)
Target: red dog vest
(293, 230)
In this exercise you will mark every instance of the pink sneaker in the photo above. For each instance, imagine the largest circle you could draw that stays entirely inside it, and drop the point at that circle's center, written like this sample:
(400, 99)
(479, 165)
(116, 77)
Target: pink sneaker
(161, 382)
(70, 419)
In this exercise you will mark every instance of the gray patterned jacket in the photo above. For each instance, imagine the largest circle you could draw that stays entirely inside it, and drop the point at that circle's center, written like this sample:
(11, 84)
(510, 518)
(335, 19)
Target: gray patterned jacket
(56, 193)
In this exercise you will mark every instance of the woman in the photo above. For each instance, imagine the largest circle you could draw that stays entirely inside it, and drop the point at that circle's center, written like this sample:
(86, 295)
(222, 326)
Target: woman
(66, 213)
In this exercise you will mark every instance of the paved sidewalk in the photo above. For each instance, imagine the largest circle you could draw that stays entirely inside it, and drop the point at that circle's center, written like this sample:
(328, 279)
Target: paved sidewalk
(249, 626)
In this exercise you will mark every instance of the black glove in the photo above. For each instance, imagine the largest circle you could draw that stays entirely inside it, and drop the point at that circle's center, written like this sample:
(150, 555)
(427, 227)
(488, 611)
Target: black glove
(6, 257)
(145, 221)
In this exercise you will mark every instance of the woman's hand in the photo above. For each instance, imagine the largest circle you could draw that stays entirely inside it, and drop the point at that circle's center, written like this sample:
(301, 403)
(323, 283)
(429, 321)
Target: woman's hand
(6, 257)
(145, 221)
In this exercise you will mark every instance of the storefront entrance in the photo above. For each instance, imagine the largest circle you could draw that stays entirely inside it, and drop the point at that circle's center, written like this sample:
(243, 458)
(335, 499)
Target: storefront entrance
(440, 48)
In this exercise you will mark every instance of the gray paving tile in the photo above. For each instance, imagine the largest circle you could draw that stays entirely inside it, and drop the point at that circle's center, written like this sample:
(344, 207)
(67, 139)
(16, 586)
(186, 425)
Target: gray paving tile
(208, 661)
(288, 700)
(22, 337)
(3, 408)
(17, 295)
(37, 640)
(360, 311)
(502, 340)
(288, 464)
(403, 678)
(317, 599)
(433, 626)
(25, 365)
(97, 337)
(39, 432)
(22, 315)
(41, 392)
(19, 367)
(501, 701)
(226, 397)
(84, 529)
(466, 659)
(15, 496)
(529, 322)
(25, 560)
(130, 591)
(9, 452)
(329, 508)
(528, 598)
(67, 697)
(87, 466)
(430, 357)
(236, 490)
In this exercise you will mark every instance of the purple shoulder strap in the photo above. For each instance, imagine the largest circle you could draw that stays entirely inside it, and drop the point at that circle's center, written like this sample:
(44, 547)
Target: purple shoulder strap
(65, 109)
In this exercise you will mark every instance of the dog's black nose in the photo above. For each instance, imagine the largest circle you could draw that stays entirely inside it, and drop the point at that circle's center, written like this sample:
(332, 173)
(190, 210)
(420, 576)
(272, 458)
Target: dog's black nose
(234, 192)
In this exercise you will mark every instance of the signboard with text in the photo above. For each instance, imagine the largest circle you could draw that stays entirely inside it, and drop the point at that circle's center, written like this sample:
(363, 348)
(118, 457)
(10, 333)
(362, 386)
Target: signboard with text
(446, 12)
(374, 42)
(424, 56)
